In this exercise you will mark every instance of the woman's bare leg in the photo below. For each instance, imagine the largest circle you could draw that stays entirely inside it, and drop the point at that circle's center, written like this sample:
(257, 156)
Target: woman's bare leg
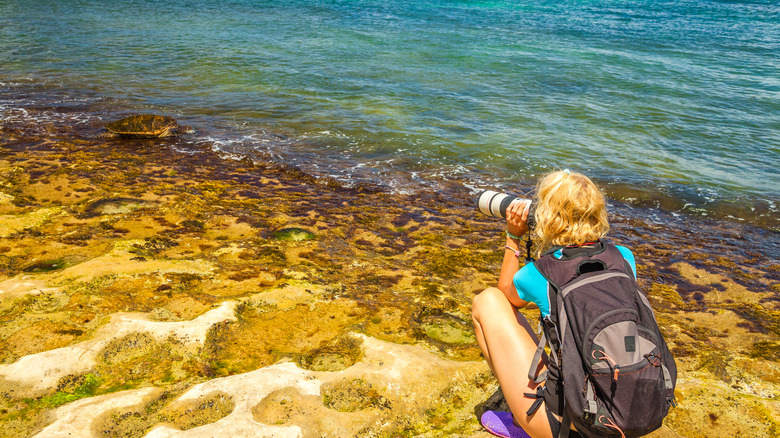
(508, 344)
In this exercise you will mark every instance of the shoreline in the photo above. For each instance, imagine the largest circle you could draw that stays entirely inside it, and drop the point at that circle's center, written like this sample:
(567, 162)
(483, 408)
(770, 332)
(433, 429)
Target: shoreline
(101, 235)
(36, 109)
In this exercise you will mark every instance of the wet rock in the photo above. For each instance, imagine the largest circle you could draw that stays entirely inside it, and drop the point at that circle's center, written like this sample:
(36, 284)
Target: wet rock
(112, 206)
(10, 224)
(335, 355)
(127, 347)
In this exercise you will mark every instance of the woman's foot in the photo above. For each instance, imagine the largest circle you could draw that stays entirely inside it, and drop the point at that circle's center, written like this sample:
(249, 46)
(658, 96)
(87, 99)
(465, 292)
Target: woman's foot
(501, 424)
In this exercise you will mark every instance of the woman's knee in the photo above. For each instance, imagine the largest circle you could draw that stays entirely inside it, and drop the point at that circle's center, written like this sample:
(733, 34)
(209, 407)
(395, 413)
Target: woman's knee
(487, 299)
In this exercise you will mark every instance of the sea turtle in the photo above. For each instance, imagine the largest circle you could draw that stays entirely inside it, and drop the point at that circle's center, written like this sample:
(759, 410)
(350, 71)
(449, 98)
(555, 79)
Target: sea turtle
(146, 126)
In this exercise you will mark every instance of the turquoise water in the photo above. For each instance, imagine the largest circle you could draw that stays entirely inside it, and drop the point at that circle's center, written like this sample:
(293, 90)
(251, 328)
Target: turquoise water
(675, 100)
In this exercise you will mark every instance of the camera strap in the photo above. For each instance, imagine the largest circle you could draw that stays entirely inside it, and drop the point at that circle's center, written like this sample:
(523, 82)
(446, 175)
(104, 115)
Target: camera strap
(528, 245)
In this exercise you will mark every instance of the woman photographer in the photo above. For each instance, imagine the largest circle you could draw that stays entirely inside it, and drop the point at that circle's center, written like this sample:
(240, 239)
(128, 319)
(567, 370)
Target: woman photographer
(570, 213)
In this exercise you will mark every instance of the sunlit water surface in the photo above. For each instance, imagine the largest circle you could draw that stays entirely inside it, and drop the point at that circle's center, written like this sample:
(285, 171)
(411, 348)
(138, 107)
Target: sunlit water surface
(674, 104)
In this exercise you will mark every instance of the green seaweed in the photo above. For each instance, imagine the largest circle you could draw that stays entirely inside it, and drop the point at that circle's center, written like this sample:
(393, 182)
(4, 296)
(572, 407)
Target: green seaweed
(765, 350)
(164, 409)
(758, 317)
(334, 355)
(88, 386)
(294, 234)
(46, 266)
(449, 332)
(717, 362)
(152, 246)
(353, 395)
(271, 255)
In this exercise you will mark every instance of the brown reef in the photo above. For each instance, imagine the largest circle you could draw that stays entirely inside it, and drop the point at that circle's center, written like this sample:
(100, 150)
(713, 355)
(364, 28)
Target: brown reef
(143, 290)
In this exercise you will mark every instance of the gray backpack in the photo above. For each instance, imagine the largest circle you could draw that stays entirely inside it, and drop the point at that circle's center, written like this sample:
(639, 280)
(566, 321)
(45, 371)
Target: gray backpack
(610, 372)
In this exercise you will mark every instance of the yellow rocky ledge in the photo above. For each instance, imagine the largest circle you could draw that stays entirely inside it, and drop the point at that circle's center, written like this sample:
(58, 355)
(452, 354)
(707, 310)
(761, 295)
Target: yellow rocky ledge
(11, 224)
(394, 388)
(35, 374)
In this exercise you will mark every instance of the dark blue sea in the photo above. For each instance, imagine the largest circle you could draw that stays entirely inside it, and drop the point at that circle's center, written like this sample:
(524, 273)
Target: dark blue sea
(672, 105)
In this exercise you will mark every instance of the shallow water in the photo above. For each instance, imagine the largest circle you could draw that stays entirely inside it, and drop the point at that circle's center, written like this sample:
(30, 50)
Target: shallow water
(670, 105)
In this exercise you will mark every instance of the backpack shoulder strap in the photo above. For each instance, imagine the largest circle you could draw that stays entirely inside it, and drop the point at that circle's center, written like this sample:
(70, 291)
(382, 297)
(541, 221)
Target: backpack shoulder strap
(565, 426)
(545, 264)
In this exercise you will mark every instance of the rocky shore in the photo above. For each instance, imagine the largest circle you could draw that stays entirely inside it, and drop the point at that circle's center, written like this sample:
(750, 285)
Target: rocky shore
(149, 290)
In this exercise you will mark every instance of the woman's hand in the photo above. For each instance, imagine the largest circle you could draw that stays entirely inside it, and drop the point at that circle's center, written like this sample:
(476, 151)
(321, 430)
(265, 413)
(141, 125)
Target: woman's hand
(517, 217)
(517, 225)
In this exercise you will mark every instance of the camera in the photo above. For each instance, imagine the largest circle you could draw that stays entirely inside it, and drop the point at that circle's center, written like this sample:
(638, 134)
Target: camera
(495, 204)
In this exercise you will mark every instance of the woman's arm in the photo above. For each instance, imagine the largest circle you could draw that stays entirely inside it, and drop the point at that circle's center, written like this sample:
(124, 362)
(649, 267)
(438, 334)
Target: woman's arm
(517, 225)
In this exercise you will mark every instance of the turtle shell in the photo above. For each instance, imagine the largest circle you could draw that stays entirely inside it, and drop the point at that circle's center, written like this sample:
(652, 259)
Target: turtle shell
(144, 125)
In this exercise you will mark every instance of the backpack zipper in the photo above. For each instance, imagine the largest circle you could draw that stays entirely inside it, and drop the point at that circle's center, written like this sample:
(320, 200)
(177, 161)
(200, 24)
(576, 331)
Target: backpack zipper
(580, 282)
(586, 336)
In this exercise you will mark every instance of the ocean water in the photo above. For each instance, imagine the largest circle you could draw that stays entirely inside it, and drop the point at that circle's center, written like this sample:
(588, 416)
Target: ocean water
(669, 104)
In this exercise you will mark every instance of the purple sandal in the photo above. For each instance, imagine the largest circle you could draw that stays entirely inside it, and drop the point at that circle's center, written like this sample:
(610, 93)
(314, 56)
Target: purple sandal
(500, 423)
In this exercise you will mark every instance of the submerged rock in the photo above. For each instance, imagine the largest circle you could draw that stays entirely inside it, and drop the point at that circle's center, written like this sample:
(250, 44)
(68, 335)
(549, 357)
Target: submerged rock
(113, 206)
(146, 126)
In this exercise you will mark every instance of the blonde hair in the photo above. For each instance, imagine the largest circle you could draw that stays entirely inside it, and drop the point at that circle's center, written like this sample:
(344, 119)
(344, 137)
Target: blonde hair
(570, 210)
